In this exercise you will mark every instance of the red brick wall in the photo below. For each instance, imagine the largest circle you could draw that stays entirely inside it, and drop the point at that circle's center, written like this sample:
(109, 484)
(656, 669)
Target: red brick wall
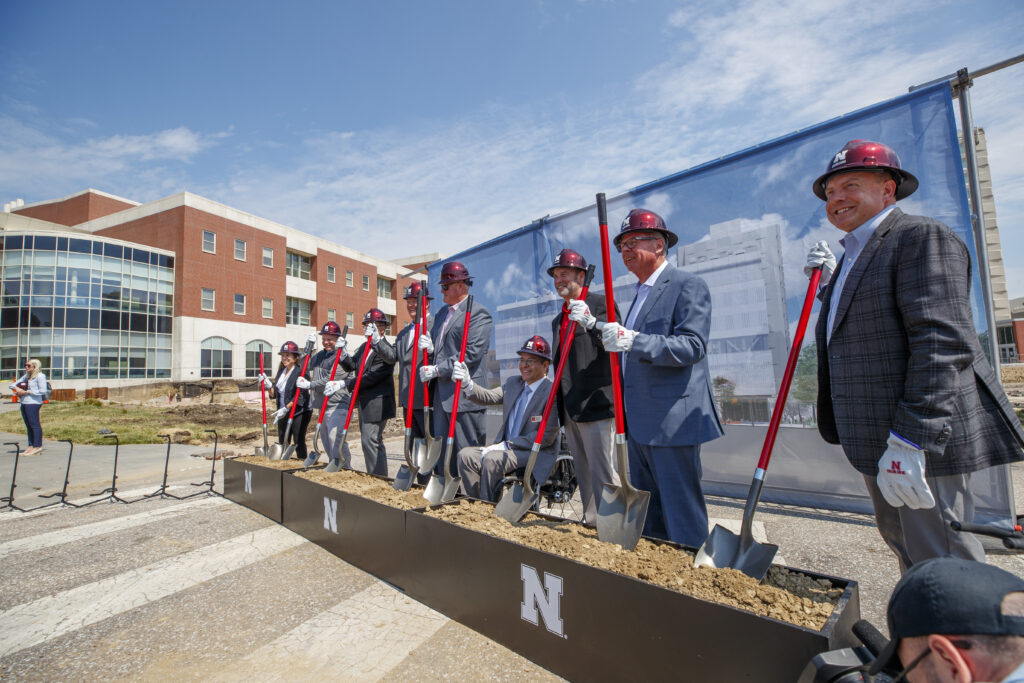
(76, 210)
(1018, 337)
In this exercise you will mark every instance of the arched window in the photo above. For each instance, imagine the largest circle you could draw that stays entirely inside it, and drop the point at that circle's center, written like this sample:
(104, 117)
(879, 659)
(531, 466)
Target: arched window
(252, 358)
(215, 357)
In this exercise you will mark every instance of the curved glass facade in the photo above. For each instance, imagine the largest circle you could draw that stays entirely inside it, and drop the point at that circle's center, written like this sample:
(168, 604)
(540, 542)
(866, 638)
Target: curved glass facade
(87, 307)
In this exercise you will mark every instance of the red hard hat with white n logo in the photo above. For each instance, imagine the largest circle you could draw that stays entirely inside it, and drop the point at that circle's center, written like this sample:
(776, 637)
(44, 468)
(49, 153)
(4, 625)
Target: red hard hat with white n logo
(642, 220)
(289, 347)
(453, 271)
(331, 327)
(865, 155)
(413, 291)
(567, 258)
(375, 315)
(537, 346)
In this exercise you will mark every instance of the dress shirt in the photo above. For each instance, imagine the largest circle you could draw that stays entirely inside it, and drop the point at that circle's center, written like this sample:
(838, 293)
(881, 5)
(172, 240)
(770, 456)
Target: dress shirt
(642, 290)
(853, 244)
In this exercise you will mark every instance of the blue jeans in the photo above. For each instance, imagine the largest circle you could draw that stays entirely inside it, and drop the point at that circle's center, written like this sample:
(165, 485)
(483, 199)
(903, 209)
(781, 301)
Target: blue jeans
(30, 414)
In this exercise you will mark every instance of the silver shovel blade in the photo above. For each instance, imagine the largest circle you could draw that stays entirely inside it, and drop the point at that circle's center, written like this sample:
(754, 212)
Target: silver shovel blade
(333, 465)
(514, 503)
(287, 453)
(260, 452)
(451, 489)
(725, 550)
(404, 478)
(418, 454)
(434, 490)
(311, 459)
(621, 515)
(429, 455)
(275, 451)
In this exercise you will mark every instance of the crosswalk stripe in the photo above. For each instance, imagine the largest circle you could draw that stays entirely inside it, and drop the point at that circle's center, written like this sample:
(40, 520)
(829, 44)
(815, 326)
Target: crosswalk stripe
(50, 617)
(107, 526)
(359, 639)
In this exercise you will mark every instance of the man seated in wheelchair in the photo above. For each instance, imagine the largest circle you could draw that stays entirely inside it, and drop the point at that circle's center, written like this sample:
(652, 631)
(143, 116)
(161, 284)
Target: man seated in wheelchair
(522, 399)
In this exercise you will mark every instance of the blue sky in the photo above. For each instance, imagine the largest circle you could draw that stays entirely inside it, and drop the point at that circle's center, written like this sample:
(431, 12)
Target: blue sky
(399, 128)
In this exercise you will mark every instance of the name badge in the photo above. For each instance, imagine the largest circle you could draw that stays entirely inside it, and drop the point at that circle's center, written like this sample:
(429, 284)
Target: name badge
(535, 419)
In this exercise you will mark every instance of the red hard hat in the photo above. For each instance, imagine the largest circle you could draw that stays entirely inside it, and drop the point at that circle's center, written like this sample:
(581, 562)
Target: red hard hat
(865, 155)
(453, 271)
(537, 346)
(642, 220)
(413, 291)
(567, 258)
(289, 347)
(375, 315)
(331, 327)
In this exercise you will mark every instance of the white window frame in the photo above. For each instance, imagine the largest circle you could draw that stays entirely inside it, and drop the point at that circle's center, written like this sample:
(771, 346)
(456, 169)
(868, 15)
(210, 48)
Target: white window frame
(366, 283)
(212, 234)
(265, 302)
(350, 319)
(237, 312)
(267, 250)
(349, 279)
(332, 314)
(330, 274)
(245, 248)
(213, 299)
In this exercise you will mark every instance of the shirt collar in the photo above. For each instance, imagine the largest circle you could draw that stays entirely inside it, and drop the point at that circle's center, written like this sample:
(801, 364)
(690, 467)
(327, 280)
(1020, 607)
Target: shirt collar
(854, 241)
(654, 276)
(535, 384)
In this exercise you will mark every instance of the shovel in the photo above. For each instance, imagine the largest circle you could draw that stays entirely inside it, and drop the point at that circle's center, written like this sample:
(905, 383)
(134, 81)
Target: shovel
(443, 489)
(335, 463)
(265, 451)
(623, 509)
(314, 455)
(518, 500)
(407, 472)
(426, 451)
(284, 450)
(723, 548)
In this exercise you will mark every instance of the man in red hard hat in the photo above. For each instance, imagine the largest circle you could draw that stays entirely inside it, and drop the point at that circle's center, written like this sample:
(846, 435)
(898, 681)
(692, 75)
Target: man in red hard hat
(319, 372)
(522, 398)
(903, 383)
(404, 347)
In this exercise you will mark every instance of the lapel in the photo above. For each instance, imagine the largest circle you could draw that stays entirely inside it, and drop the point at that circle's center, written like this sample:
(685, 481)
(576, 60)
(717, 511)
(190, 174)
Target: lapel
(435, 329)
(861, 265)
(659, 287)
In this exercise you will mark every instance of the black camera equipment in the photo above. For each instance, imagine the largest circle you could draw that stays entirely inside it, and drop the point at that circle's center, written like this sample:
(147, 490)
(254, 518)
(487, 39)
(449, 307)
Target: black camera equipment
(850, 664)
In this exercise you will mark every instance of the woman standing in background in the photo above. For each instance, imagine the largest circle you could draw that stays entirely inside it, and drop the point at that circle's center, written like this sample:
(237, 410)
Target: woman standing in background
(30, 389)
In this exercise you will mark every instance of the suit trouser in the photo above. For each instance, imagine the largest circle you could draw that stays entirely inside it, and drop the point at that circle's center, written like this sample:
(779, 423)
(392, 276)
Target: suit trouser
(591, 446)
(470, 430)
(298, 433)
(374, 454)
(918, 535)
(672, 474)
(418, 422)
(330, 432)
(481, 474)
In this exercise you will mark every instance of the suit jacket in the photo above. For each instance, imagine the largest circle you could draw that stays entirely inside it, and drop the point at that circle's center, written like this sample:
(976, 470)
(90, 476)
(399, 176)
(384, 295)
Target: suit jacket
(522, 441)
(446, 353)
(586, 388)
(405, 352)
(319, 373)
(904, 356)
(376, 398)
(666, 383)
(290, 389)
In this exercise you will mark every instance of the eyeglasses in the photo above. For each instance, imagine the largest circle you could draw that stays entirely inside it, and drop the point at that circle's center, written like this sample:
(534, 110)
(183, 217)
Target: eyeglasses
(632, 243)
(955, 642)
(528, 361)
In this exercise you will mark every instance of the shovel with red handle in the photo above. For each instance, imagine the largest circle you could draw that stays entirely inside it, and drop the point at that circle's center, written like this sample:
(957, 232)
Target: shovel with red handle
(443, 489)
(426, 451)
(314, 455)
(623, 509)
(723, 548)
(518, 500)
(407, 472)
(265, 451)
(335, 464)
(289, 448)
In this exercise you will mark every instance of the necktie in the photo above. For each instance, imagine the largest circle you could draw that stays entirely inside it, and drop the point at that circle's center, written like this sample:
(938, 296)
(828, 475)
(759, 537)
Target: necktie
(517, 413)
(447, 319)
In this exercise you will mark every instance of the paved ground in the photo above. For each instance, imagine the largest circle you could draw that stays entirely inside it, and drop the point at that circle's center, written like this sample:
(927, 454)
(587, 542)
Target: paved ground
(204, 588)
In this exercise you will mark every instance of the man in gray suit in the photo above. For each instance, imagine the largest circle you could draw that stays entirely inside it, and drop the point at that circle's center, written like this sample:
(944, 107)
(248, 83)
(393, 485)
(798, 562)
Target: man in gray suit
(444, 342)
(522, 398)
(670, 410)
(403, 345)
(903, 383)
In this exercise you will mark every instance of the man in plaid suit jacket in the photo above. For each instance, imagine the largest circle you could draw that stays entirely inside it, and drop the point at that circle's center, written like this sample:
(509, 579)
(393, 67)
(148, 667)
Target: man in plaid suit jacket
(903, 383)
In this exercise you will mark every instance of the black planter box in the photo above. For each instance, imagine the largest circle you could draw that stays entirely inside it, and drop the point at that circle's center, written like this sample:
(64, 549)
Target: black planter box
(363, 532)
(257, 488)
(589, 624)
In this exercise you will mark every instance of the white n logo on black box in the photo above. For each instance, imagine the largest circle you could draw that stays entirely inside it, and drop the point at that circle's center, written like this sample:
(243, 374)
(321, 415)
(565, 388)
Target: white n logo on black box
(331, 515)
(546, 597)
(248, 481)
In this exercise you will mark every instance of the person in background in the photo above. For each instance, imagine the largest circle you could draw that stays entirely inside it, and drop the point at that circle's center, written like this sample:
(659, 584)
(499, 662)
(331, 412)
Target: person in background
(403, 346)
(319, 372)
(284, 389)
(30, 389)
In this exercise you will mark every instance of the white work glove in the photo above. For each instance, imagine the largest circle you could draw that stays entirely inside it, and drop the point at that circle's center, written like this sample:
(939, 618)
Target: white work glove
(311, 338)
(426, 343)
(617, 338)
(428, 372)
(821, 255)
(580, 312)
(901, 475)
(302, 383)
(267, 382)
(372, 332)
(343, 345)
(280, 413)
(500, 446)
(461, 372)
(334, 387)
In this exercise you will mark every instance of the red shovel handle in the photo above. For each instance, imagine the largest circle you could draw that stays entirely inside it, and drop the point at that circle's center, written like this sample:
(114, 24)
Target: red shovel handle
(295, 399)
(334, 369)
(423, 330)
(415, 362)
(462, 359)
(263, 390)
(609, 295)
(359, 378)
(787, 377)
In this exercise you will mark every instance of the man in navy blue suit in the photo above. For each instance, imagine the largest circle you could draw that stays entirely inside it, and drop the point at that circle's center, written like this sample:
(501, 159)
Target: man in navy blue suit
(670, 410)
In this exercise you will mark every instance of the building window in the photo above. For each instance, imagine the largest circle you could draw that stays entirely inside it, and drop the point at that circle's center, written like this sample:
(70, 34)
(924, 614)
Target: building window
(209, 242)
(268, 257)
(332, 314)
(296, 311)
(215, 357)
(252, 358)
(384, 288)
(366, 283)
(348, 278)
(239, 250)
(348, 319)
(239, 304)
(297, 265)
(330, 273)
(391, 322)
(268, 308)
(208, 299)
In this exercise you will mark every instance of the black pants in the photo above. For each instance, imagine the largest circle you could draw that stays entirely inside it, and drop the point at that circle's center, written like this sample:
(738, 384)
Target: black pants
(298, 435)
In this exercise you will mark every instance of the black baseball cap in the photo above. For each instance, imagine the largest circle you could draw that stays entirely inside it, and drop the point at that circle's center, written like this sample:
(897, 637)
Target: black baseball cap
(949, 596)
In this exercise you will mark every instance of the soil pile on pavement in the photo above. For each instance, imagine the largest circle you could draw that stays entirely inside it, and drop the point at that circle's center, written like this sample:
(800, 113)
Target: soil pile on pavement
(784, 595)
(368, 486)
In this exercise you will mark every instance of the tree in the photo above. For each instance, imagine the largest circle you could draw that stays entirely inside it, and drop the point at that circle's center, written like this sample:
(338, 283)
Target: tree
(805, 378)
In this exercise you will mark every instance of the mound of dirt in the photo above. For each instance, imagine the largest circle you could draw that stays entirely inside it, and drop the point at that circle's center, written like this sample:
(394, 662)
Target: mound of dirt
(212, 414)
(367, 486)
(290, 464)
